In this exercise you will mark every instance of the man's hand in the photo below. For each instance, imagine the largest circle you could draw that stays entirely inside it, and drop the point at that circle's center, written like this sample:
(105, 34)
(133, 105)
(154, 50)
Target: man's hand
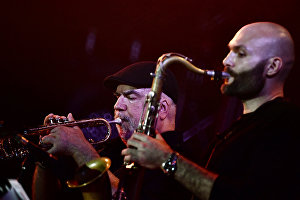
(48, 119)
(147, 151)
(69, 141)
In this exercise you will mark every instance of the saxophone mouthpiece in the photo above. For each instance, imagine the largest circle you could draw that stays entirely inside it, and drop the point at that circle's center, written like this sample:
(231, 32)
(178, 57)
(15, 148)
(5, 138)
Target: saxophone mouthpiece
(217, 75)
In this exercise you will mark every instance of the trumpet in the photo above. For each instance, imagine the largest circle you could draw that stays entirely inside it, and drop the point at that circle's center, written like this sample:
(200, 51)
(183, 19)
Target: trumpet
(95, 122)
(10, 149)
(85, 174)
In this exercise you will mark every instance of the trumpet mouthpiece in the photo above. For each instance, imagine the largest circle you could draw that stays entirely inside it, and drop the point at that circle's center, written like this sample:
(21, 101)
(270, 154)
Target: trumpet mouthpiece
(116, 121)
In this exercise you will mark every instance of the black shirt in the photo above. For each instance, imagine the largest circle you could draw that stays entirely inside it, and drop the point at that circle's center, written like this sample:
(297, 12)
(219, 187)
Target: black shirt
(258, 156)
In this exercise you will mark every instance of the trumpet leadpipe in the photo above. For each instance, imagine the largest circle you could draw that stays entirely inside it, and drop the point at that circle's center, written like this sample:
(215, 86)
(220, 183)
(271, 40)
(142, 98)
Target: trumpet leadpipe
(81, 123)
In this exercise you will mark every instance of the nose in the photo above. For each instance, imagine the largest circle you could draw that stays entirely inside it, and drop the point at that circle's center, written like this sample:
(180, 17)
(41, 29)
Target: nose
(120, 104)
(227, 62)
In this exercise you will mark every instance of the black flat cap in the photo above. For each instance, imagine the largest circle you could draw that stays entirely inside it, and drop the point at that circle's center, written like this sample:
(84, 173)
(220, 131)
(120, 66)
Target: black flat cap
(138, 75)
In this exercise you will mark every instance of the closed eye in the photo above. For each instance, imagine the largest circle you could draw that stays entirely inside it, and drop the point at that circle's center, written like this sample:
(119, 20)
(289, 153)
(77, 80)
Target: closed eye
(241, 54)
(131, 95)
(240, 51)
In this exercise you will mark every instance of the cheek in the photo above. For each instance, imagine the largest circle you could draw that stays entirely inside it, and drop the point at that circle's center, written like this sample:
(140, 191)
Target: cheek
(250, 62)
(135, 109)
(243, 66)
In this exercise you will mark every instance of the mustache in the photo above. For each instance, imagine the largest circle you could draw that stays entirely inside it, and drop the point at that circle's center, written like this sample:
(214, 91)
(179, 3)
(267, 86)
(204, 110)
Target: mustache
(230, 72)
(122, 117)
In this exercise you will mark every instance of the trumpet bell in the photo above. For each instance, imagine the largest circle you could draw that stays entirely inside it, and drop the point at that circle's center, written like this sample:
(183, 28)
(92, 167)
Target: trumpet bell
(90, 172)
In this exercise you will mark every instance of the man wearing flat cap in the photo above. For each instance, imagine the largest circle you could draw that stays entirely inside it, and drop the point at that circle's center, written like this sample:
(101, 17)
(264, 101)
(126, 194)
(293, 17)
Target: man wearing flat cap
(130, 85)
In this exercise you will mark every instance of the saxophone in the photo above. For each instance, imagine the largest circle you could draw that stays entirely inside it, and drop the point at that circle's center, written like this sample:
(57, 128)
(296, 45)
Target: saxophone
(151, 106)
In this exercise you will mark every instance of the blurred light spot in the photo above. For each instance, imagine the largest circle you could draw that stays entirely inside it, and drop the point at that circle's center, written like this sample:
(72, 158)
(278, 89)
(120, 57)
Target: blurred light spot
(135, 51)
(90, 42)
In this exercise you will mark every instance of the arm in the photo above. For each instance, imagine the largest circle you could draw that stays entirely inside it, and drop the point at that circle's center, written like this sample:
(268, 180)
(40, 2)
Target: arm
(197, 179)
(260, 167)
(70, 141)
(151, 153)
(45, 184)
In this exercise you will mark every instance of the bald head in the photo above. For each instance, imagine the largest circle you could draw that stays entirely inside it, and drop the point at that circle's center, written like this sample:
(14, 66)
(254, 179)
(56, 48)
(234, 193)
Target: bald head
(260, 59)
(270, 40)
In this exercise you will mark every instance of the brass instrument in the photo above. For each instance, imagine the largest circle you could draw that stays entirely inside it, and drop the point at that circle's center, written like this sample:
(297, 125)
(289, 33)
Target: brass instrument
(86, 174)
(43, 130)
(10, 149)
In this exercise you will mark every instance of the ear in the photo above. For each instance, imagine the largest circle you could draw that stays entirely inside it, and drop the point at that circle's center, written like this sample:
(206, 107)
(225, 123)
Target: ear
(274, 66)
(164, 109)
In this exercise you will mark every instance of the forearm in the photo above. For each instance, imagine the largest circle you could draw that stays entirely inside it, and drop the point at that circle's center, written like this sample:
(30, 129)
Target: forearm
(151, 153)
(45, 184)
(85, 154)
(105, 185)
(195, 178)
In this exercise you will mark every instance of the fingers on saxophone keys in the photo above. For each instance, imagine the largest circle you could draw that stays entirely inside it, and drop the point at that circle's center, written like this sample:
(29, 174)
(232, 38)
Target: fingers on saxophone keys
(129, 154)
(128, 160)
(140, 137)
(137, 141)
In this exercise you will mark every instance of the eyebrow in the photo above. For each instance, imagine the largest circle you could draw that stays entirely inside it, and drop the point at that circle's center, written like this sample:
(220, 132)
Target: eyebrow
(237, 47)
(128, 92)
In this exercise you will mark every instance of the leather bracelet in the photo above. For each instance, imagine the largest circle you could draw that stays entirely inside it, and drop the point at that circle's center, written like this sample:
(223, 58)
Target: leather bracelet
(169, 167)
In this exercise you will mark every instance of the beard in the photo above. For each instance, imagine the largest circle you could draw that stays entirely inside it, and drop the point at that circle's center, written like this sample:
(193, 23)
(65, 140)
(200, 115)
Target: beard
(127, 127)
(246, 85)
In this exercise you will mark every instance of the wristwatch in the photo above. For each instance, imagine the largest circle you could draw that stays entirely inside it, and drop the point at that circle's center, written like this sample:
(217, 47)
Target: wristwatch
(169, 167)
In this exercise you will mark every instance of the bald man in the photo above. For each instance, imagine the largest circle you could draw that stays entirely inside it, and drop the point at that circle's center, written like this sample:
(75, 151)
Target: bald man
(257, 157)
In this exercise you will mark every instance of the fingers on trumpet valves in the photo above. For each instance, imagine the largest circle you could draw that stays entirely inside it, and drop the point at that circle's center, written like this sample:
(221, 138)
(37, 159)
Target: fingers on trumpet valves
(48, 119)
(55, 119)
(70, 117)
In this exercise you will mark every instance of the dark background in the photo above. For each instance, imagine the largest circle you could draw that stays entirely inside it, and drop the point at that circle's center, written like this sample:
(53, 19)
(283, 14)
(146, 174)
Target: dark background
(54, 55)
